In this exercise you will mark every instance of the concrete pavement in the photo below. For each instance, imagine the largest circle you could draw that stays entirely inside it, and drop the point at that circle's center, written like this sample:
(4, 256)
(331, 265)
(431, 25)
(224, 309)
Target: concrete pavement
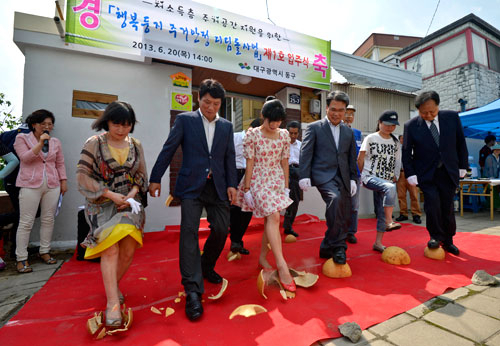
(465, 316)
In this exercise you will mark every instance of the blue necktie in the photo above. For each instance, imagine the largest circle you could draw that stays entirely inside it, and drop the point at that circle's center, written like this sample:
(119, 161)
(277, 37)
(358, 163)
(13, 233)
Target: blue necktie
(434, 132)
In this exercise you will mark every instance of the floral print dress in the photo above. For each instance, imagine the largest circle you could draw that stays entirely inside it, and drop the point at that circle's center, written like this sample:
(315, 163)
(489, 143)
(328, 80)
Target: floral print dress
(268, 181)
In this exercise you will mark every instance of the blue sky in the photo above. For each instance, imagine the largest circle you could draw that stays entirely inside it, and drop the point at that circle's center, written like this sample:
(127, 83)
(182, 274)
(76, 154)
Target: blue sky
(346, 23)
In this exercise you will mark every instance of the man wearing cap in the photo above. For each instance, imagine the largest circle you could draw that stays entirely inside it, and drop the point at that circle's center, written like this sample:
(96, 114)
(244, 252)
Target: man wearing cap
(358, 137)
(434, 157)
(328, 161)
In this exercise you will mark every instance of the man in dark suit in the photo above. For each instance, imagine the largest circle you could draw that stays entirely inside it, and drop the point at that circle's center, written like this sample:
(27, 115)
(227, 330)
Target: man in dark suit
(434, 157)
(328, 161)
(207, 179)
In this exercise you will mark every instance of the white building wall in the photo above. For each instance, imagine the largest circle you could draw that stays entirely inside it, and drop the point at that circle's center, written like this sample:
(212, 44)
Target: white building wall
(474, 83)
(50, 78)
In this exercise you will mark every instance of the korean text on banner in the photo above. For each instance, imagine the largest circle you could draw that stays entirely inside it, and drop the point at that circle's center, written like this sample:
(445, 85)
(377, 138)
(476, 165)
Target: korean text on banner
(196, 34)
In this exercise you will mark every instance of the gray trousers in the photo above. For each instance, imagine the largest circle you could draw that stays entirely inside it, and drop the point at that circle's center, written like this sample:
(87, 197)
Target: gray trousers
(338, 208)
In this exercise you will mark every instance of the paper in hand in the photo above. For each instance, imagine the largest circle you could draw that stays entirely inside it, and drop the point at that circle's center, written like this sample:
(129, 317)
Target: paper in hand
(59, 203)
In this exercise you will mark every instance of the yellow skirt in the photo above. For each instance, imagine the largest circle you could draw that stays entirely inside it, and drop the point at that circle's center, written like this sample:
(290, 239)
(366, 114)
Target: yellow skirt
(119, 232)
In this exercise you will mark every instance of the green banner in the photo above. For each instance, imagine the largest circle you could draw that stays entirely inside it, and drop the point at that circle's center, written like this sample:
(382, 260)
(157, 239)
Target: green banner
(200, 35)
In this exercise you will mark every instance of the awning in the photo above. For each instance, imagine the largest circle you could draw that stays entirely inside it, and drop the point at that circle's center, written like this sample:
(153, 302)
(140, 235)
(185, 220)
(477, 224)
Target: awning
(482, 121)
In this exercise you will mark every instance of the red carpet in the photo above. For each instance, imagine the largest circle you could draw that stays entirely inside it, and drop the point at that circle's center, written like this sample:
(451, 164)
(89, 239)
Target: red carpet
(57, 314)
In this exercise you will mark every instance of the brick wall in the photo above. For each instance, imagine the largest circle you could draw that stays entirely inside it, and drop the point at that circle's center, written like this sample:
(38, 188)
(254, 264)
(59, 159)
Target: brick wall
(474, 83)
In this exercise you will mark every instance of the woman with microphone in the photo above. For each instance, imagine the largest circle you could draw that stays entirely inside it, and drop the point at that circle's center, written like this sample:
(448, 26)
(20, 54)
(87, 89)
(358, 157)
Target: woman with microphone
(42, 178)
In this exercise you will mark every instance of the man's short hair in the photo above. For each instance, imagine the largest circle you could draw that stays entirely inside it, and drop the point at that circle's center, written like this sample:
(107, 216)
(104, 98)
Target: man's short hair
(426, 96)
(337, 95)
(489, 138)
(255, 123)
(293, 125)
(213, 88)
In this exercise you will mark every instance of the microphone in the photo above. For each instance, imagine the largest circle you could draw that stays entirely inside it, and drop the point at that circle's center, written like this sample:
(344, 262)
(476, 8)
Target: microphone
(45, 147)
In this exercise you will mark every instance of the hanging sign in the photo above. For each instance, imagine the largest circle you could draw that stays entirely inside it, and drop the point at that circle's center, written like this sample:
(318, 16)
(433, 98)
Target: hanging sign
(187, 32)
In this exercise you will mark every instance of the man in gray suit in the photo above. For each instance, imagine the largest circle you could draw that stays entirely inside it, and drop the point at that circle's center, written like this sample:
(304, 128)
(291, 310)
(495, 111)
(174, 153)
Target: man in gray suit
(328, 161)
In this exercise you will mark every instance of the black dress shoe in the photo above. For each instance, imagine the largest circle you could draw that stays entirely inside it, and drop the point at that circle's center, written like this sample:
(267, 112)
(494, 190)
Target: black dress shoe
(433, 244)
(402, 218)
(351, 238)
(194, 309)
(212, 276)
(244, 251)
(238, 247)
(417, 219)
(451, 249)
(339, 256)
(325, 253)
(292, 232)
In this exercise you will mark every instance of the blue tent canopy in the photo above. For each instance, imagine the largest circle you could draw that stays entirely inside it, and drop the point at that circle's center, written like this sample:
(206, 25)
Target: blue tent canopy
(482, 121)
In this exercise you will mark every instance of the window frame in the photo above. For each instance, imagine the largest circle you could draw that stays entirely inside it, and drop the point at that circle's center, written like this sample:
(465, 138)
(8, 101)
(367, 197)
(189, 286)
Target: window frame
(89, 96)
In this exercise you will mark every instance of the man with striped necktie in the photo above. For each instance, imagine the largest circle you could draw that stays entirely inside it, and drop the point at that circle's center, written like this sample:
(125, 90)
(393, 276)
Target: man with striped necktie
(434, 157)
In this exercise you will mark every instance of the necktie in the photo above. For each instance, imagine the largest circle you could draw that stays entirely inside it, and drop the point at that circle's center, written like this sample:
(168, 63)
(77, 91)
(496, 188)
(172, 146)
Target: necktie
(434, 132)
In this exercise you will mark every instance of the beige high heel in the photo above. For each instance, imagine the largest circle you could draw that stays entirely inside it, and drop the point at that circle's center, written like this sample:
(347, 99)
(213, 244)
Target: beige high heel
(113, 322)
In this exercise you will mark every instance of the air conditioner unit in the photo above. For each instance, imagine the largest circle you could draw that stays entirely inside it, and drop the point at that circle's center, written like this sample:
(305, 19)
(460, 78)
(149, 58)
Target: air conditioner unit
(315, 106)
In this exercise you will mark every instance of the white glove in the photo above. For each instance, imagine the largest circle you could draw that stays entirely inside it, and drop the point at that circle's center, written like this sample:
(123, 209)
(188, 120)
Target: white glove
(136, 206)
(304, 184)
(412, 180)
(462, 172)
(249, 199)
(354, 188)
(287, 192)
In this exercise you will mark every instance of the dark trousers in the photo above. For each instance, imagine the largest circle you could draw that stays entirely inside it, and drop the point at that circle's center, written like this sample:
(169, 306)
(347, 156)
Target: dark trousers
(438, 206)
(293, 185)
(190, 261)
(13, 192)
(239, 220)
(338, 206)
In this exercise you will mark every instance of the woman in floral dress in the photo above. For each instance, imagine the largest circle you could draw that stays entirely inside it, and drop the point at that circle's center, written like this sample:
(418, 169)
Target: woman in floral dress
(264, 189)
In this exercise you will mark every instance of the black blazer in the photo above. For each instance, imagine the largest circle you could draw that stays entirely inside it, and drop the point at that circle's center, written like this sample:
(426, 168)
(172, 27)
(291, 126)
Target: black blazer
(421, 155)
(197, 161)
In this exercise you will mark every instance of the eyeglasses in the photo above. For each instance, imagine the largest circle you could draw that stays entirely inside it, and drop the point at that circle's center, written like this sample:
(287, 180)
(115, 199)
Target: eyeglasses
(46, 124)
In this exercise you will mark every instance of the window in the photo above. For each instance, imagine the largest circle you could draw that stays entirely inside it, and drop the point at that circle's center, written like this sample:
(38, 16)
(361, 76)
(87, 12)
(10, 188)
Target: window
(450, 53)
(88, 104)
(479, 46)
(494, 55)
(421, 63)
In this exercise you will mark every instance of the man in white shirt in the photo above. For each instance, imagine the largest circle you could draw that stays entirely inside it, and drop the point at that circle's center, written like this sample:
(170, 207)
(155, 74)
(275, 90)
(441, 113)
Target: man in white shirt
(207, 179)
(239, 220)
(293, 129)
